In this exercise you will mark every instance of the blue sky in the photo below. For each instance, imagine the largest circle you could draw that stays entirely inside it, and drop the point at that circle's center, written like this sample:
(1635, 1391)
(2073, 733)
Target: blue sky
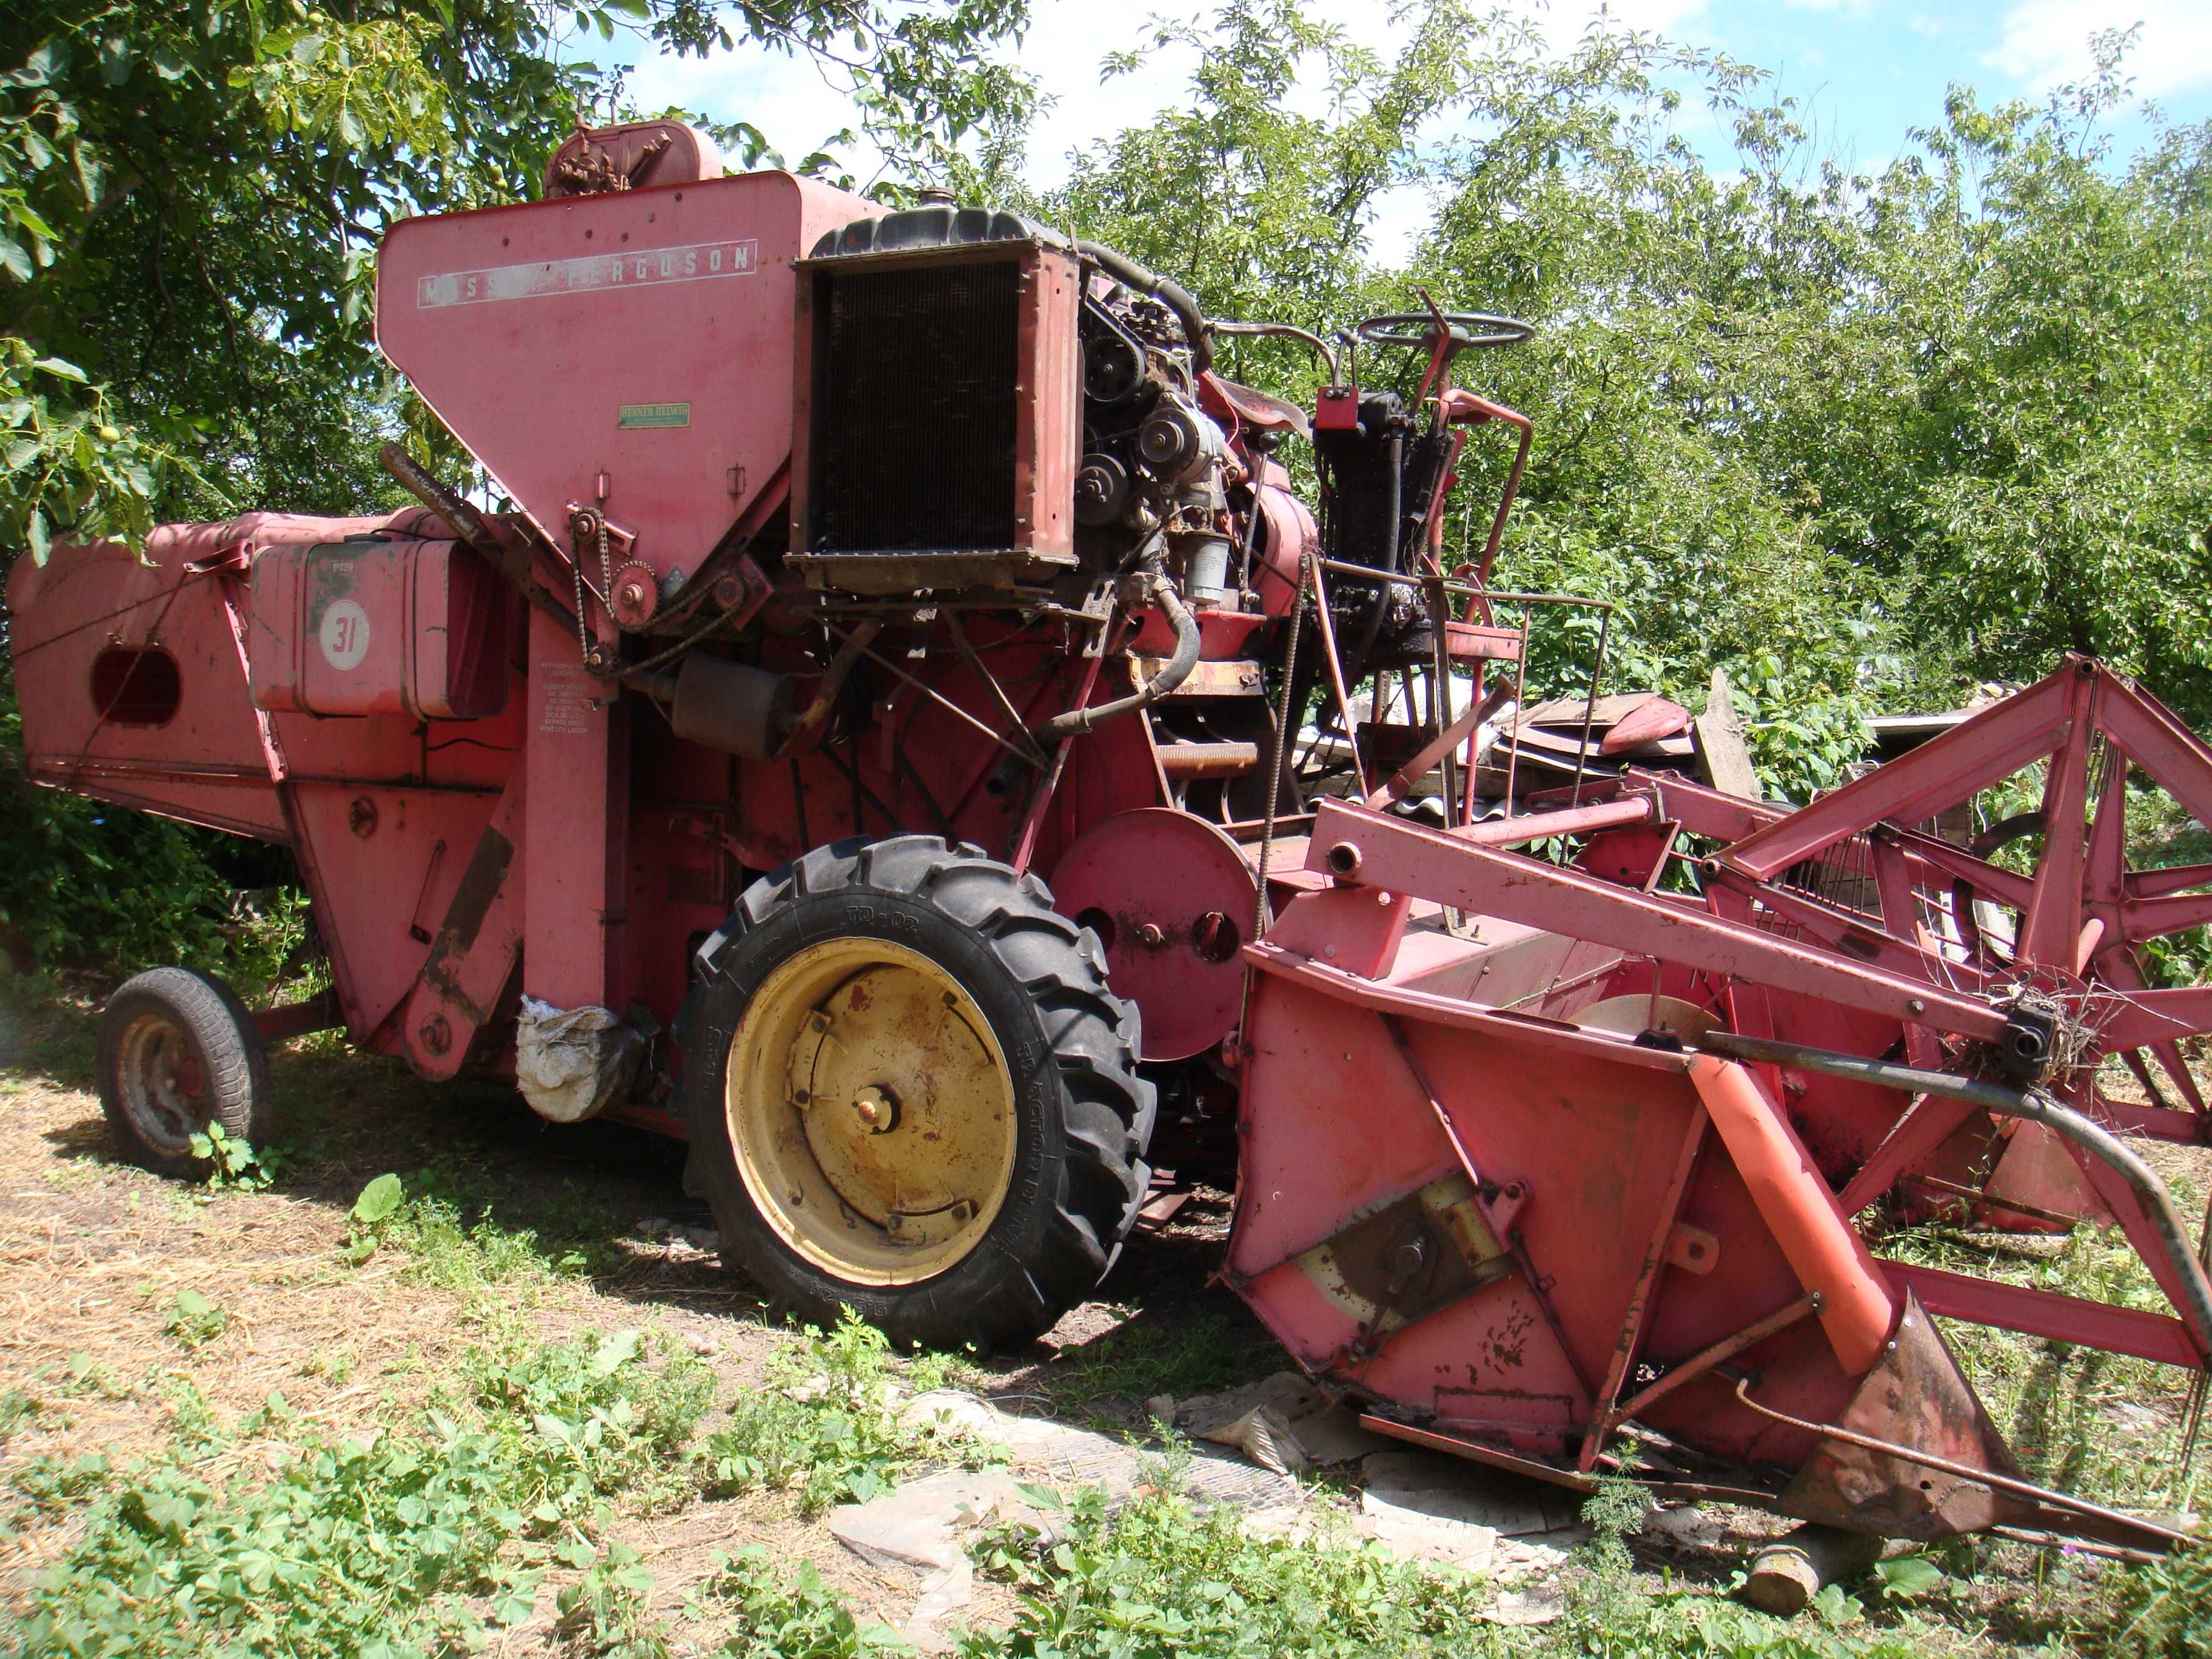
(1866, 71)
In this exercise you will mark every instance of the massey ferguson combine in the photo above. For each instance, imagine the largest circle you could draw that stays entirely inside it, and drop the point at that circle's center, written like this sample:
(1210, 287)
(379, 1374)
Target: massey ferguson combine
(904, 734)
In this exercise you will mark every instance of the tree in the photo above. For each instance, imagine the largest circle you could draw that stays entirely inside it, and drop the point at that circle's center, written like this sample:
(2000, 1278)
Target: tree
(191, 194)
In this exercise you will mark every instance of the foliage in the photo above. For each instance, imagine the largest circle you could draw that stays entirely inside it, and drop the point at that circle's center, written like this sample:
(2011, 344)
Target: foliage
(442, 1248)
(195, 1321)
(1191, 1353)
(90, 885)
(1860, 439)
(17, 1407)
(1159, 1579)
(771, 1618)
(826, 1425)
(233, 1165)
(2163, 1611)
(603, 1611)
(371, 1216)
(583, 1419)
(359, 1545)
(399, 1542)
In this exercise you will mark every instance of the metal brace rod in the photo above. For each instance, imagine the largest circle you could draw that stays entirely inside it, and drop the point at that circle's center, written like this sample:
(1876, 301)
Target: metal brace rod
(1964, 1471)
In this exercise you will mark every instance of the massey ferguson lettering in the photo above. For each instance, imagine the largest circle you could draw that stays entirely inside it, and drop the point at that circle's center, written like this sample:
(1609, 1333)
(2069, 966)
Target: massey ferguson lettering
(594, 273)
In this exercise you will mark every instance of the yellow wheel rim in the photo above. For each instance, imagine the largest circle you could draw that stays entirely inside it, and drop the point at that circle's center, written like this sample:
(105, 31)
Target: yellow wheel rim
(870, 1111)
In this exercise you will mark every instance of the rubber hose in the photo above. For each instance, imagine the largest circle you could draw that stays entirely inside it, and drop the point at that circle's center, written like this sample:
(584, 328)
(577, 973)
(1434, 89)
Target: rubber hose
(1172, 674)
(1166, 290)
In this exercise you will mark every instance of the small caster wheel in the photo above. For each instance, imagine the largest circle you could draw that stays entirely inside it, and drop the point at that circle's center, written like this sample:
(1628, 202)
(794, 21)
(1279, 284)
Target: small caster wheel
(178, 1051)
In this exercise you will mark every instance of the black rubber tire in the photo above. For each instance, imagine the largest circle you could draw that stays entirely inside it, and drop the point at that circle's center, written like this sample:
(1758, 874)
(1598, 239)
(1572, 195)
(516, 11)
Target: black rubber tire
(1084, 1114)
(233, 1060)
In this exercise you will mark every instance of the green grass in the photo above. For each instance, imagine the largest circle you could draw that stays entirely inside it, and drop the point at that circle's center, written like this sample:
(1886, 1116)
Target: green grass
(2101, 1424)
(1192, 1353)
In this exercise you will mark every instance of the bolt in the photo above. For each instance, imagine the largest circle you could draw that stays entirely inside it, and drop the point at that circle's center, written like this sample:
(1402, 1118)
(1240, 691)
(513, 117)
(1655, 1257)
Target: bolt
(799, 1097)
(436, 1035)
(820, 1023)
(1917, 1004)
(877, 1109)
(1149, 933)
(631, 595)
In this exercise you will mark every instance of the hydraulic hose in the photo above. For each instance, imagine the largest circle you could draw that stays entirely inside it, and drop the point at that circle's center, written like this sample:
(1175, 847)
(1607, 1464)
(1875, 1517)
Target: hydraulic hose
(1173, 673)
(1166, 290)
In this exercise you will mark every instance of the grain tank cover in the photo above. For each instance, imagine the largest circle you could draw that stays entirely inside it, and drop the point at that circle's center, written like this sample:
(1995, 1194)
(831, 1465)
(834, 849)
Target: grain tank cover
(636, 344)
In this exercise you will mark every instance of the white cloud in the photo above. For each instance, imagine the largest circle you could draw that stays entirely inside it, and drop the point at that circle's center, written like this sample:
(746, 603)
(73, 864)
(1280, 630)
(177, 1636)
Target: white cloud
(2045, 43)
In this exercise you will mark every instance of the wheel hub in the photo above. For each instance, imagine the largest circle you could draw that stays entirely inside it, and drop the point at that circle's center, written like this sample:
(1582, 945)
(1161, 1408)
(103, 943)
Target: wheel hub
(870, 1111)
(162, 1083)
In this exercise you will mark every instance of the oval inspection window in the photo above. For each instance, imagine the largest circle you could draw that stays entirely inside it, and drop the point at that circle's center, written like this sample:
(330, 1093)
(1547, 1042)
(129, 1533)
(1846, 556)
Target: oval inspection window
(135, 685)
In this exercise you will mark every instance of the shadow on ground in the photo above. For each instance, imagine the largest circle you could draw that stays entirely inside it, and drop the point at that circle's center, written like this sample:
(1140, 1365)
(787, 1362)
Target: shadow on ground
(609, 1197)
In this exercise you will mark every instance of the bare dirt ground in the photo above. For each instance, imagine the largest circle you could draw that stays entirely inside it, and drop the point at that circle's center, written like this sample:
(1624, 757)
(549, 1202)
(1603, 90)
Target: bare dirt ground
(94, 1253)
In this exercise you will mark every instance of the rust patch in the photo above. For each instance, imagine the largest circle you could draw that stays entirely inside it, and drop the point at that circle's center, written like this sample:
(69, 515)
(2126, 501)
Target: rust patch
(1916, 1395)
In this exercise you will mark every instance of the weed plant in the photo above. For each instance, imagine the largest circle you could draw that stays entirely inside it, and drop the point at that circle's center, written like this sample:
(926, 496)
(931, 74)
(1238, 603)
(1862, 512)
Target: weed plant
(402, 1542)
(828, 1426)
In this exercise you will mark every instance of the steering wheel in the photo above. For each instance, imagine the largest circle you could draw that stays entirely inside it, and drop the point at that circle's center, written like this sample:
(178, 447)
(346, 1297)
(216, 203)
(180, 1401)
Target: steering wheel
(1469, 328)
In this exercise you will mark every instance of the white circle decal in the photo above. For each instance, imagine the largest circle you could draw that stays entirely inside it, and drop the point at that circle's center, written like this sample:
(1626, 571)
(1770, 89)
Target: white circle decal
(345, 634)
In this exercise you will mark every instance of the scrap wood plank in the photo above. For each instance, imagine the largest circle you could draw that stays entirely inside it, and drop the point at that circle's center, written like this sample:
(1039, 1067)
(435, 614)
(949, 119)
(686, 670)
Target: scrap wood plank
(1724, 759)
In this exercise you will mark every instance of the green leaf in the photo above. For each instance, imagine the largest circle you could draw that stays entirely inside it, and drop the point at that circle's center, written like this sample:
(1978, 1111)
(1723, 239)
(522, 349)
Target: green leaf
(1909, 1576)
(378, 1201)
(60, 369)
(1835, 1606)
(615, 1350)
(115, 57)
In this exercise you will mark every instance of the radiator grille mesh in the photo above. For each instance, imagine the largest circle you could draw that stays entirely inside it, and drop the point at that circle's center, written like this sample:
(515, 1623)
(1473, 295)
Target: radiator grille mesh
(917, 414)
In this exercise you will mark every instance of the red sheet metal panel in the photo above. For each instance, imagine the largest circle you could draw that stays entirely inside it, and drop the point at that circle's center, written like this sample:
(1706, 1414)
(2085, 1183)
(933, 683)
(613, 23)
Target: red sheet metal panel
(644, 336)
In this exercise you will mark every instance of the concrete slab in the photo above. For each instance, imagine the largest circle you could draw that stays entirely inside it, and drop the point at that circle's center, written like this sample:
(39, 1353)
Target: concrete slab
(1452, 1487)
(1057, 1455)
(921, 1523)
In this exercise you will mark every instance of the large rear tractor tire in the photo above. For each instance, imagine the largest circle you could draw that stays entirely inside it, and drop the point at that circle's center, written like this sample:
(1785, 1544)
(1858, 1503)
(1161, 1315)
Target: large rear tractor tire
(178, 1051)
(912, 1095)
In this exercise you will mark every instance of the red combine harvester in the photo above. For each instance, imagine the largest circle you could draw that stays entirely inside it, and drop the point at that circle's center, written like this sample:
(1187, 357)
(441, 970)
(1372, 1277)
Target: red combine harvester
(870, 745)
